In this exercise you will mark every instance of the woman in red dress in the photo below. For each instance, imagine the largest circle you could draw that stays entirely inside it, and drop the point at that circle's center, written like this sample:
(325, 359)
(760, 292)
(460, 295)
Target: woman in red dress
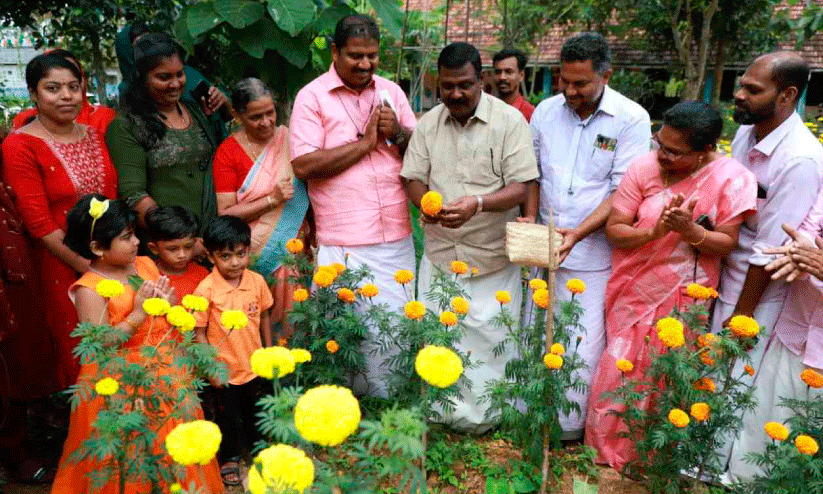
(49, 164)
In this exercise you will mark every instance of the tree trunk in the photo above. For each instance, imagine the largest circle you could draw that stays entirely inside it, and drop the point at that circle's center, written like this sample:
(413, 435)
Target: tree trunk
(704, 45)
(468, 11)
(506, 41)
(446, 23)
(97, 71)
(402, 43)
(683, 44)
(719, 65)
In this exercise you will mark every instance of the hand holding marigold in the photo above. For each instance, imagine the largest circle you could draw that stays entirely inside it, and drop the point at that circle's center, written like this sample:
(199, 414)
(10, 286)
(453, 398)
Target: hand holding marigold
(431, 203)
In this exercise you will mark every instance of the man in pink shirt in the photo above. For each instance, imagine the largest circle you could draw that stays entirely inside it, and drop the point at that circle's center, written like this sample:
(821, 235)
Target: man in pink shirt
(349, 129)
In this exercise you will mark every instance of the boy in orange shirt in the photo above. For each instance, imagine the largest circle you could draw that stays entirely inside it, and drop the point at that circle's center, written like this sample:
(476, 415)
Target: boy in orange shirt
(231, 286)
(172, 238)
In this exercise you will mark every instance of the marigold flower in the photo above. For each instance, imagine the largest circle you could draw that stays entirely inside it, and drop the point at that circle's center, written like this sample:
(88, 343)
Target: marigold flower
(332, 346)
(557, 349)
(806, 445)
(323, 278)
(156, 306)
(438, 366)
(320, 43)
(281, 468)
(180, 318)
(282, 342)
(234, 319)
(175, 488)
(704, 384)
(431, 203)
(460, 305)
(327, 415)
(414, 310)
(706, 358)
(403, 276)
(541, 298)
(475, 271)
(812, 378)
(195, 303)
(369, 290)
(538, 284)
(503, 296)
(749, 370)
(106, 386)
(193, 443)
(459, 267)
(776, 431)
(448, 318)
(700, 411)
(294, 245)
(264, 362)
(300, 355)
(553, 361)
(670, 332)
(338, 268)
(109, 288)
(575, 285)
(97, 207)
(300, 295)
(705, 340)
(678, 418)
(700, 292)
(744, 326)
(624, 365)
(346, 295)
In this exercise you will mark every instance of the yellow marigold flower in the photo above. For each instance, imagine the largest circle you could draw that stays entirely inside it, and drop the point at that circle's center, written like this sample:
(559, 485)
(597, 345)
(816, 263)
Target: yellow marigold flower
(195, 303)
(575, 285)
(624, 365)
(294, 245)
(670, 332)
(700, 411)
(403, 276)
(460, 305)
(369, 290)
(776, 431)
(300, 355)
(806, 445)
(414, 310)
(541, 297)
(109, 288)
(106, 386)
(346, 295)
(264, 362)
(233, 319)
(300, 295)
(193, 443)
(503, 296)
(459, 267)
(553, 361)
(744, 326)
(156, 306)
(538, 284)
(557, 349)
(700, 292)
(175, 488)
(705, 340)
(327, 415)
(97, 207)
(323, 278)
(749, 370)
(281, 468)
(448, 318)
(338, 268)
(438, 366)
(431, 203)
(812, 378)
(704, 384)
(332, 346)
(706, 358)
(678, 418)
(475, 271)
(180, 318)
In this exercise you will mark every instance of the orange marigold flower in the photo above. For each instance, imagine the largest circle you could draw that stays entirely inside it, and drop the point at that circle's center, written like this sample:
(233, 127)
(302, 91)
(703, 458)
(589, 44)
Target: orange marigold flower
(323, 278)
(338, 267)
(706, 358)
(460, 305)
(414, 310)
(575, 285)
(670, 332)
(332, 346)
(459, 267)
(294, 245)
(749, 370)
(537, 284)
(624, 365)
(503, 296)
(300, 295)
(700, 292)
(700, 411)
(553, 361)
(448, 318)
(431, 203)
(541, 298)
(369, 290)
(744, 326)
(806, 445)
(557, 349)
(282, 342)
(678, 418)
(403, 276)
(705, 340)
(776, 431)
(475, 271)
(346, 295)
(704, 384)
(812, 378)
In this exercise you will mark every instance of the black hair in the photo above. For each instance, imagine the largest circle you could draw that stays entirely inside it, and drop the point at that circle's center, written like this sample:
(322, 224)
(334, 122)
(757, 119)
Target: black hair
(700, 121)
(68, 56)
(588, 46)
(150, 50)
(248, 90)
(40, 66)
(136, 29)
(456, 55)
(226, 232)
(791, 71)
(355, 26)
(79, 234)
(505, 53)
(171, 223)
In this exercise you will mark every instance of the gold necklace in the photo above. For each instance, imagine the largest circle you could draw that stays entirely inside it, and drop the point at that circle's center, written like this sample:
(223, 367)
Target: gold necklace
(52, 136)
(250, 148)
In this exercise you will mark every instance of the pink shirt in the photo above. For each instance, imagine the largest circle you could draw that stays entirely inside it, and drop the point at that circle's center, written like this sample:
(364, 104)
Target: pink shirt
(366, 204)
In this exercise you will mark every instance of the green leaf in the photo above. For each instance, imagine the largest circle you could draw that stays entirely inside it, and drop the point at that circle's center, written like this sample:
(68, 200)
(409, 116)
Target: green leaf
(239, 13)
(389, 12)
(264, 35)
(200, 18)
(291, 15)
(135, 282)
(581, 487)
(328, 18)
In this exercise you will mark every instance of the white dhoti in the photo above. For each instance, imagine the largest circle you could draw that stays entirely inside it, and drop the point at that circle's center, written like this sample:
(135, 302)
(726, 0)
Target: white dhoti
(383, 260)
(593, 334)
(479, 338)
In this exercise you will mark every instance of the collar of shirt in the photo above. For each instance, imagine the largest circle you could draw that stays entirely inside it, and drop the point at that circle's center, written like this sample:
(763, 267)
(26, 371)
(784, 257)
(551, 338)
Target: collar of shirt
(222, 286)
(607, 105)
(770, 142)
(334, 81)
(482, 112)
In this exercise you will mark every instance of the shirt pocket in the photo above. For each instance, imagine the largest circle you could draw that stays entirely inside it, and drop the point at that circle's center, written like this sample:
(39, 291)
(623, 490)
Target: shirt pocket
(482, 175)
(600, 165)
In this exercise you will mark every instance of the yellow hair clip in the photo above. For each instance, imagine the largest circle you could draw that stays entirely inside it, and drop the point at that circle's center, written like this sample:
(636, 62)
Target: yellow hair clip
(96, 209)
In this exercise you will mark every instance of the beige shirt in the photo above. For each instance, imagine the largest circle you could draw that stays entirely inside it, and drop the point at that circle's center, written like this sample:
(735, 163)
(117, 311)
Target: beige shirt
(492, 150)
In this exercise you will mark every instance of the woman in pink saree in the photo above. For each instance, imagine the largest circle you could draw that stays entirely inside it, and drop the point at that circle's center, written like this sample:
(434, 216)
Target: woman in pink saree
(675, 215)
(254, 181)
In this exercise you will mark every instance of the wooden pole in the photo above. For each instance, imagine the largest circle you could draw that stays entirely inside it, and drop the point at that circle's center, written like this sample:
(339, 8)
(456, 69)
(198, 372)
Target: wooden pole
(468, 10)
(544, 470)
(446, 23)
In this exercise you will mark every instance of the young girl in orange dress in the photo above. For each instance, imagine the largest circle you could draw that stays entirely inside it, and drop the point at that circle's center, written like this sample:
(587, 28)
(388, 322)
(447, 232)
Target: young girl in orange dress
(109, 242)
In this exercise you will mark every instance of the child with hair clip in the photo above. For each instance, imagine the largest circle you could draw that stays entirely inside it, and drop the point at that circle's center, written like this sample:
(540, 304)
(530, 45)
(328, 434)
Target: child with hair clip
(109, 242)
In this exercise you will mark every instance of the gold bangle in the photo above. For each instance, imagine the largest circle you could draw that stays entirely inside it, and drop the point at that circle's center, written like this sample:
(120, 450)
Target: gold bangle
(705, 234)
(271, 203)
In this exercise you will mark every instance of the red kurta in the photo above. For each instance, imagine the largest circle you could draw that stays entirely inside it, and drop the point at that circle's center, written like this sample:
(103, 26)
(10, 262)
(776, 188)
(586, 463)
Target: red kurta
(96, 116)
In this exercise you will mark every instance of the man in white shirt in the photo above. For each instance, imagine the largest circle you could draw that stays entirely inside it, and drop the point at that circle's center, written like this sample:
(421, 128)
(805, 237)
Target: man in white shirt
(584, 139)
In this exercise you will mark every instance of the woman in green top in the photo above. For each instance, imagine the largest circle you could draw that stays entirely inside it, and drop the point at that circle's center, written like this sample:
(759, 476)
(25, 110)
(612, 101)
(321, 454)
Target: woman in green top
(162, 146)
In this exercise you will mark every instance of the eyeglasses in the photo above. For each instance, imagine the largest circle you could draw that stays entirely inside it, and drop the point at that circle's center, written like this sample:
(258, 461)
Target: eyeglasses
(673, 155)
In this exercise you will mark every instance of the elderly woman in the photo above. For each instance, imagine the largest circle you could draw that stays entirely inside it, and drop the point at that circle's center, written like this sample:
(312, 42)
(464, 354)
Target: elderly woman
(676, 213)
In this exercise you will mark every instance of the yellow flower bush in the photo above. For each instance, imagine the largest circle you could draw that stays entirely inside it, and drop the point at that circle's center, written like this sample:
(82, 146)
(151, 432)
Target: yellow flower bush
(264, 362)
(553, 361)
(300, 355)
(195, 303)
(180, 318)
(233, 319)
(332, 346)
(346, 295)
(414, 310)
(403, 276)
(670, 332)
(776, 431)
(294, 245)
(109, 288)
(806, 445)
(575, 286)
(327, 415)
(624, 365)
(460, 305)
(323, 278)
(156, 306)
(431, 203)
(281, 468)
(300, 295)
(369, 290)
(459, 267)
(744, 326)
(541, 297)
(700, 411)
(106, 386)
(812, 378)
(700, 292)
(538, 284)
(438, 366)
(678, 418)
(194, 443)
(557, 349)
(503, 296)
(448, 318)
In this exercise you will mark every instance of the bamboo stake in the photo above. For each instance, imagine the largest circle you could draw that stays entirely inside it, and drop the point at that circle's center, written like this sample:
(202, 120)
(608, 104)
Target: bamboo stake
(544, 470)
